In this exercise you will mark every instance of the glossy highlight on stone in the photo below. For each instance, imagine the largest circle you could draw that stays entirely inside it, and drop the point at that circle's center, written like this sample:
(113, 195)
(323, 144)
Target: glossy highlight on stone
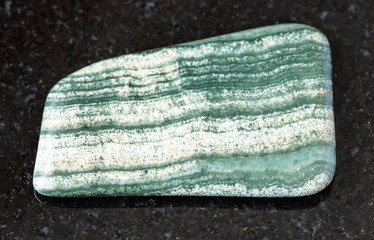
(243, 114)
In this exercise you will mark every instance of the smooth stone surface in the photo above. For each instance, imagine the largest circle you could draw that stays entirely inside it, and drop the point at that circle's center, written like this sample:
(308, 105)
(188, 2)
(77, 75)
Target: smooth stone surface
(243, 114)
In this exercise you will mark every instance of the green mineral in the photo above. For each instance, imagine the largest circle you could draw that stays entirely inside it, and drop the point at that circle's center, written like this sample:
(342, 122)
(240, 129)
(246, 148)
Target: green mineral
(243, 114)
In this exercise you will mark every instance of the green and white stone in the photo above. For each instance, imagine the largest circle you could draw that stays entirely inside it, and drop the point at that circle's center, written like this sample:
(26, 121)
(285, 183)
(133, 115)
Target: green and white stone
(243, 114)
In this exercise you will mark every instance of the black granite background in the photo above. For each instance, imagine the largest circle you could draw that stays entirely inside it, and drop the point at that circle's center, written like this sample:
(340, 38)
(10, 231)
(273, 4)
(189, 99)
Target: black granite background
(43, 41)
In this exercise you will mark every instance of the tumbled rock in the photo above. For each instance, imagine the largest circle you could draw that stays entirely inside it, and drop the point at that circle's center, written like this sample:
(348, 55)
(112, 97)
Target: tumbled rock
(243, 114)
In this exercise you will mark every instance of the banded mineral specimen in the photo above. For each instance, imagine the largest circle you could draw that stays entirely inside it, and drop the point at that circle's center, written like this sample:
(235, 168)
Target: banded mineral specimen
(243, 114)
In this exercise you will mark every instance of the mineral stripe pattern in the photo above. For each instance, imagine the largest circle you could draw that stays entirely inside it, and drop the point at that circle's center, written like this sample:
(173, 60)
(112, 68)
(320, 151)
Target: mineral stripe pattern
(242, 114)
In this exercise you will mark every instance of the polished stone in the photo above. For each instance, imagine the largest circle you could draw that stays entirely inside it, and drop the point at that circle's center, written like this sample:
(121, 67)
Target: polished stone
(242, 114)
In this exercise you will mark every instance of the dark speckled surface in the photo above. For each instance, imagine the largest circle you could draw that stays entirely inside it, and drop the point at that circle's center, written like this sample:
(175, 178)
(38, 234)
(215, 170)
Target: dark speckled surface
(43, 41)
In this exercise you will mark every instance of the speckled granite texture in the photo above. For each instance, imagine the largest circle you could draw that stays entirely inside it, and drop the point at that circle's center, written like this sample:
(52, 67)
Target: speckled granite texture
(42, 42)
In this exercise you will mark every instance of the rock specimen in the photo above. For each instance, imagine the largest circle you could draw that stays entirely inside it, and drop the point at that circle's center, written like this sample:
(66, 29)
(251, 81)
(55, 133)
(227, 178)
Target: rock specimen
(243, 114)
